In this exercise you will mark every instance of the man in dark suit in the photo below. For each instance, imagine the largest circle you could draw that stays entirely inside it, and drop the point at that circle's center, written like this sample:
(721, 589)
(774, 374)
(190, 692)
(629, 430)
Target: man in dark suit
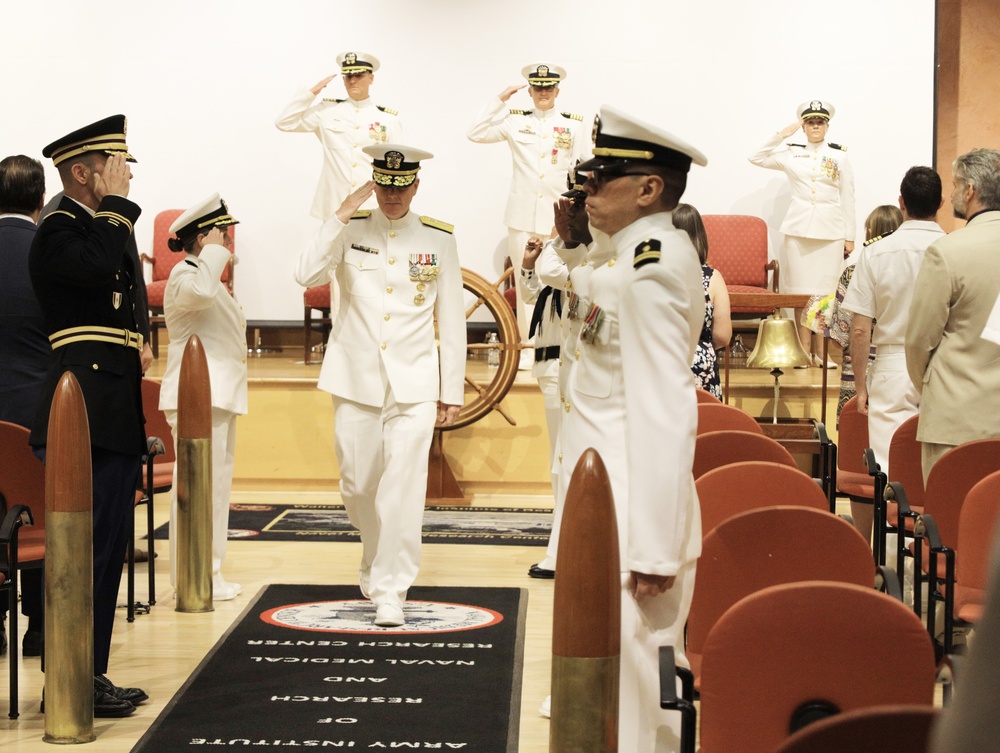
(86, 283)
(24, 346)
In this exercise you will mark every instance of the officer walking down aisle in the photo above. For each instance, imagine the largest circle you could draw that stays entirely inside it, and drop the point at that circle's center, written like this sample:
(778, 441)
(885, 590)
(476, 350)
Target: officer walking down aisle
(390, 382)
(544, 145)
(197, 303)
(344, 127)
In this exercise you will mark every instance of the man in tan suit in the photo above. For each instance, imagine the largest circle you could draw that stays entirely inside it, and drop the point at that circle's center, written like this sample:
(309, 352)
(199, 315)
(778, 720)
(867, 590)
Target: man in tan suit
(947, 358)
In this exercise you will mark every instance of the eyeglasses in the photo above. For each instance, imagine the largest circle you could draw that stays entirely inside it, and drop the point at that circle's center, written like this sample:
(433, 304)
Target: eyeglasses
(596, 180)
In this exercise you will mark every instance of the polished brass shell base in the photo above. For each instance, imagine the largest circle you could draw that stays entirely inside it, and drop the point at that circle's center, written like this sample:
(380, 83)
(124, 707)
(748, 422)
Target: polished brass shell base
(194, 525)
(584, 705)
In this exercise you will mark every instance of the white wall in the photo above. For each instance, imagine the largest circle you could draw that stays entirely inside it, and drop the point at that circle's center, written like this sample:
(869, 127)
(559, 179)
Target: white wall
(201, 84)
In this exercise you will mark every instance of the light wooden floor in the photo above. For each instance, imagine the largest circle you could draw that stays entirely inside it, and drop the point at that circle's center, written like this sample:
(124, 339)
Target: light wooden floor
(159, 650)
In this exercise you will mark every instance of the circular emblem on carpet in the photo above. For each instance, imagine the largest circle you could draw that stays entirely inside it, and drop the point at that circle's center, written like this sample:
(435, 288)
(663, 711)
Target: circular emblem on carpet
(356, 616)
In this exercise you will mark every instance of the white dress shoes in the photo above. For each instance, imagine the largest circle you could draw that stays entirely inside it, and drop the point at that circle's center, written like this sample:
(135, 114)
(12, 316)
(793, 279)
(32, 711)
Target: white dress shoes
(546, 708)
(364, 579)
(389, 615)
(223, 591)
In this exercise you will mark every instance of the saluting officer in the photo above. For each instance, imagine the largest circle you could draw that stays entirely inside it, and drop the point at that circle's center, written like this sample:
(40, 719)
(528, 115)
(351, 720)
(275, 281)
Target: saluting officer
(86, 283)
(391, 383)
(344, 127)
(544, 144)
(631, 396)
(819, 227)
(196, 302)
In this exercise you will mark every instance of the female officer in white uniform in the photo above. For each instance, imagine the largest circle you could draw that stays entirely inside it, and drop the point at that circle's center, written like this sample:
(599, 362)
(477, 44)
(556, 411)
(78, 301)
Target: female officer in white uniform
(819, 227)
(197, 303)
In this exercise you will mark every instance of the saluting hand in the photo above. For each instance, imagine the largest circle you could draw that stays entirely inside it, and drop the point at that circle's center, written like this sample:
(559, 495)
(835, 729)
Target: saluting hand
(353, 202)
(217, 236)
(322, 84)
(509, 92)
(114, 179)
(790, 129)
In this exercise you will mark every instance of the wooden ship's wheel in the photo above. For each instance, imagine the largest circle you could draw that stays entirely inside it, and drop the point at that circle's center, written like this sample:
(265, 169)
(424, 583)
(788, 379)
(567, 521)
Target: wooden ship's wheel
(489, 386)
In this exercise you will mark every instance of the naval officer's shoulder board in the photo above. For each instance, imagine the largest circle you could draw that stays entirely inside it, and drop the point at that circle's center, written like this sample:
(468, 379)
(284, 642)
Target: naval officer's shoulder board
(572, 116)
(333, 101)
(362, 214)
(521, 112)
(838, 147)
(647, 252)
(870, 241)
(437, 224)
(387, 110)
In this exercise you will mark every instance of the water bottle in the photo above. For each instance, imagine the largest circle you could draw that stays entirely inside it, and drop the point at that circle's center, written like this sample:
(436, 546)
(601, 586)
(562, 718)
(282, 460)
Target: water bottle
(493, 354)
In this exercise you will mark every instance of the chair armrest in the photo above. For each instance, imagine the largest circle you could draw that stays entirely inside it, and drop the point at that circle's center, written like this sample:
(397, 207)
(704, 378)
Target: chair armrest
(669, 700)
(887, 581)
(927, 527)
(16, 516)
(894, 492)
(148, 259)
(154, 447)
(870, 463)
(773, 267)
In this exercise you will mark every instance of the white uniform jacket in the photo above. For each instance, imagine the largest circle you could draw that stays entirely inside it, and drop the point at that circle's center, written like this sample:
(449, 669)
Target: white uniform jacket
(543, 147)
(196, 302)
(661, 314)
(822, 182)
(882, 284)
(393, 276)
(344, 127)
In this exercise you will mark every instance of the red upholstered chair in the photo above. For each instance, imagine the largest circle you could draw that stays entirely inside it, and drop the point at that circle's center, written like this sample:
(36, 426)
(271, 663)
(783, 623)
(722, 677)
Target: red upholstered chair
(158, 478)
(162, 261)
(732, 489)
(767, 546)
(737, 247)
(718, 448)
(968, 476)
(853, 479)
(721, 417)
(22, 483)
(316, 298)
(948, 483)
(704, 396)
(886, 729)
(791, 654)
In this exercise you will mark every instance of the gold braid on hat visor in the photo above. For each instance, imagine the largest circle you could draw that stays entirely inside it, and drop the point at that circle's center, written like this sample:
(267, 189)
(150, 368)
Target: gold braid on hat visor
(385, 177)
(109, 144)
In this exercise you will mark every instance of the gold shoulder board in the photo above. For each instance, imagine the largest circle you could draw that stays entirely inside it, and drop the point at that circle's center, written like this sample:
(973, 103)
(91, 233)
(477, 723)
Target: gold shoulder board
(521, 112)
(573, 116)
(335, 101)
(361, 214)
(841, 147)
(387, 109)
(437, 224)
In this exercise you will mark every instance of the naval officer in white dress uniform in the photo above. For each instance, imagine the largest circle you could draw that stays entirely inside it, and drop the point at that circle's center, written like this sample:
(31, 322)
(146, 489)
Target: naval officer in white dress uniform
(196, 302)
(344, 127)
(391, 383)
(631, 396)
(544, 144)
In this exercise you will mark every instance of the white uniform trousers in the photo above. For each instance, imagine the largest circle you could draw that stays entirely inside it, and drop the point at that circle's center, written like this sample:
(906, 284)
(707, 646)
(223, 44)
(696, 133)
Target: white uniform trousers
(643, 727)
(892, 399)
(383, 452)
(549, 386)
(223, 460)
(516, 241)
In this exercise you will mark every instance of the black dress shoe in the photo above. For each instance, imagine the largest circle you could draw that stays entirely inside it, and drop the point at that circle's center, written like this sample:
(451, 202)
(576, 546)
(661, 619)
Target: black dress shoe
(108, 707)
(32, 643)
(133, 696)
(540, 572)
(105, 706)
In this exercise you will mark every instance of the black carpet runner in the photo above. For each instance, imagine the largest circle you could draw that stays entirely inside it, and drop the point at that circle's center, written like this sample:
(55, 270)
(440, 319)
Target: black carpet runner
(442, 525)
(304, 667)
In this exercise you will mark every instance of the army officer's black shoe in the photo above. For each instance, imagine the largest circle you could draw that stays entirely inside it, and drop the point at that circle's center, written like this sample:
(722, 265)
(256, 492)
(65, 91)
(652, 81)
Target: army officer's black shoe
(540, 572)
(134, 696)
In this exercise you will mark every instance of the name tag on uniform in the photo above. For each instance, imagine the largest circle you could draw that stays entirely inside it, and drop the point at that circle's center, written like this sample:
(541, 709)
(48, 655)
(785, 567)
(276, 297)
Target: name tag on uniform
(364, 249)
